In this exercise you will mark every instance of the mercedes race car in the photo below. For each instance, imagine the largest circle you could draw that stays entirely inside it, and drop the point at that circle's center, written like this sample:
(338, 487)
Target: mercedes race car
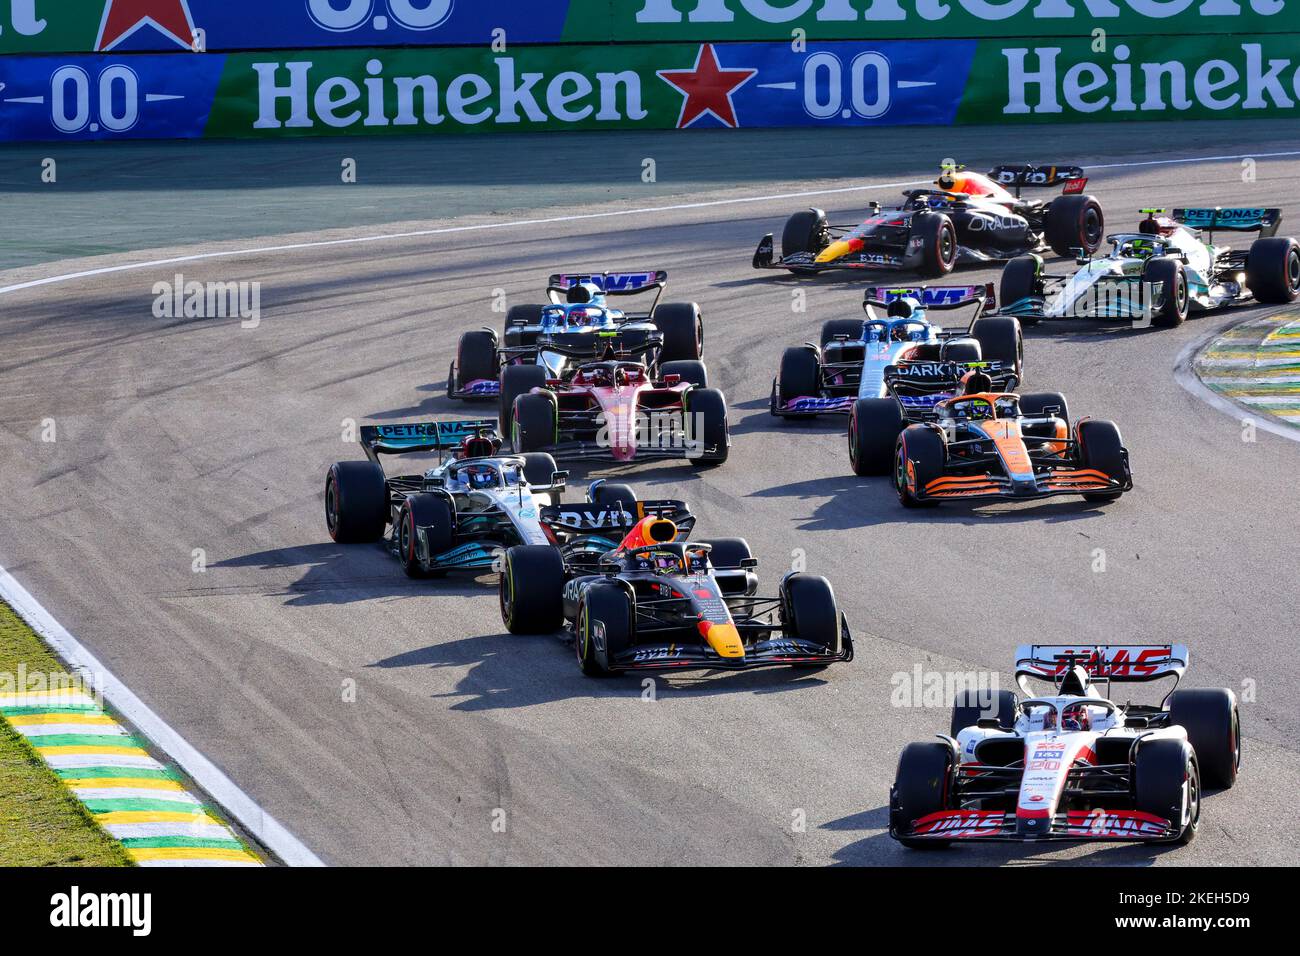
(578, 324)
(462, 513)
(1159, 274)
(982, 444)
(969, 218)
(850, 363)
(1071, 764)
(617, 409)
(660, 602)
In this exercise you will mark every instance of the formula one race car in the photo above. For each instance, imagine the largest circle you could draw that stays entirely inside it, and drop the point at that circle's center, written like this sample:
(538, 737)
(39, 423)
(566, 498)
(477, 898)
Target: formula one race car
(617, 409)
(1157, 275)
(577, 324)
(658, 602)
(983, 444)
(969, 218)
(854, 353)
(462, 513)
(1071, 765)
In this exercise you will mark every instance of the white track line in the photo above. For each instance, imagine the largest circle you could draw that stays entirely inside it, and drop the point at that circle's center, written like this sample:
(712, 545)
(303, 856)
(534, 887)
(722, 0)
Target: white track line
(1185, 375)
(268, 831)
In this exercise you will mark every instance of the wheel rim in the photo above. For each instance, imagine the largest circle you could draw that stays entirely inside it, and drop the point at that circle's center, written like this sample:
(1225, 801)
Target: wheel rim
(853, 440)
(1091, 229)
(331, 505)
(1182, 294)
(1293, 270)
(1193, 796)
(507, 592)
(405, 537)
(946, 244)
(900, 472)
(580, 635)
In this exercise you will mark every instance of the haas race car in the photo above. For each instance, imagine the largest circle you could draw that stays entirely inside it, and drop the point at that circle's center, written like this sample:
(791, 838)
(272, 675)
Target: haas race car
(968, 218)
(983, 442)
(1071, 764)
(660, 602)
(851, 360)
(578, 323)
(1162, 272)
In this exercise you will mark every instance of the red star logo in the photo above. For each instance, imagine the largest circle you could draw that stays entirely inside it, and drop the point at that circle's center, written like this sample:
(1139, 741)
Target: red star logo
(707, 88)
(122, 18)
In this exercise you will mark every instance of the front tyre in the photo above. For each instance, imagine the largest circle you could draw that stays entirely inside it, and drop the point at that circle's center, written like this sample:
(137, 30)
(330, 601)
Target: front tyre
(1101, 448)
(706, 427)
(1169, 280)
(356, 502)
(918, 460)
(874, 425)
(810, 611)
(531, 589)
(431, 515)
(923, 784)
(1167, 784)
(603, 628)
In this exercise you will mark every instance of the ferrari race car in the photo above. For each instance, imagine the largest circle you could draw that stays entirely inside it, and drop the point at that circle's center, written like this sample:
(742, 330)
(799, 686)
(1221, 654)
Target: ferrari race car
(578, 324)
(969, 218)
(1071, 765)
(854, 353)
(461, 514)
(617, 409)
(982, 444)
(659, 602)
(1157, 275)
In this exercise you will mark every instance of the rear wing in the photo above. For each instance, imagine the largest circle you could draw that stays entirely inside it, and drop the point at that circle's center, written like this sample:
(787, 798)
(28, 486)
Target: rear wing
(933, 296)
(1018, 176)
(611, 283)
(1119, 663)
(929, 377)
(592, 518)
(1236, 219)
(409, 439)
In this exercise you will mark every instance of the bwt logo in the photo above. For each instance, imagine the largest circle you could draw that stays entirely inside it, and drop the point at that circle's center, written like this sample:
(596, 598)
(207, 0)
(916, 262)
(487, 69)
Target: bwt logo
(410, 14)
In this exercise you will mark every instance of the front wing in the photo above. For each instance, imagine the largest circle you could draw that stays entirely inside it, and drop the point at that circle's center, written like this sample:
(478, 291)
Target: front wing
(998, 825)
(1060, 481)
(776, 652)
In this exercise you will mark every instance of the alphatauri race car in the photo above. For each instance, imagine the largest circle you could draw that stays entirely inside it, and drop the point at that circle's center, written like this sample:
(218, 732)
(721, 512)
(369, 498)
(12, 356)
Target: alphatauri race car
(1071, 764)
(969, 218)
(462, 513)
(578, 324)
(1159, 274)
(659, 602)
(983, 444)
(851, 360)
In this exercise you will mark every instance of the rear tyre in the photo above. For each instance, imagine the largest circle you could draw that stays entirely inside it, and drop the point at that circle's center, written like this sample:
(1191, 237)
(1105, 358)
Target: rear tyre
(923, 784)
(727, 553)
(604, 616)
(1167, 784)
(531, 589)
(706, 426)
(535, 422)
(476, 357)
(683, 330)
(517, 380)
(810, 611)
(968, 709)
(805, 231)
(519, 316)
(431, 514)
(1170, 281)
(962, 350)
(1273, 270)
(800, 376)
(356, 502)
(688, 370)
(918, 460)
(610, 494)
(1001, 340)
(851, 329)
(1101, 448)
(874, 426)
(1021, 279)
(938, 244)
(539, 467)
(1074, 222)
(1038, 404)
(1213, 724)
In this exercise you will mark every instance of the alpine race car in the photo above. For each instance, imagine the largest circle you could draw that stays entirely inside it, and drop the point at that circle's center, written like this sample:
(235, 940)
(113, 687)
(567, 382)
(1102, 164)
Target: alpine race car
(851, 360)
(462, 513)
(983, 444)
(1159, 274)
(659, 602)
(619, 409)
(969, 218)
(1071, 765)
(578, 323)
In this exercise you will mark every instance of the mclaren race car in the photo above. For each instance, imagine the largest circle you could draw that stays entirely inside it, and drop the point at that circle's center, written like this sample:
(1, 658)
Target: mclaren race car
(851, 360)
(659, 602)
(578, 323)
(1071, 764)
(1159, 274)
(968, 218)
(462, 513)
(982, 444)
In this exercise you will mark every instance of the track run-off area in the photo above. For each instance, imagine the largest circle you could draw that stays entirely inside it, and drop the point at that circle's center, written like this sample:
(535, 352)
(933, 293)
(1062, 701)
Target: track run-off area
(390, 721)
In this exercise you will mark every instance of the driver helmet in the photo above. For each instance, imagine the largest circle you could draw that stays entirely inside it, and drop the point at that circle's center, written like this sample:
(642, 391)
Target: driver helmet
(1142, 248)
(478, 476)
(1049, 718)
(477, 446)
(903, 308)
(582, 293)
(1076, 718)
(666, 562)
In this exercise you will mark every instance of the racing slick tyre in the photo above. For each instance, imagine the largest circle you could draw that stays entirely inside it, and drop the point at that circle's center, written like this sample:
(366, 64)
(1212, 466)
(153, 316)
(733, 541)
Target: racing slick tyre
(1213, 725)
(531, 589)
(534, 422)
(1101, 448)
(850, 328)
(800, 375)
(1035, 404)
(706, 426)
(805, 231)
(688, 370)
(356, 502)
(433, 514)
(809, 611)
(1021, 279)
(603, 609)
(476, 357)
(1074, 222)
(923, 784)
(1001, 340)
(874, 426)
(1170, 279)
(728, 552)
(1167, 784)
(918, 460)
(539, 467)
(968, 709)
(938, 244)
(683, 330)
(962, 350)
(1273, 270)
(517, 380)
(609, 494)
(519, 316)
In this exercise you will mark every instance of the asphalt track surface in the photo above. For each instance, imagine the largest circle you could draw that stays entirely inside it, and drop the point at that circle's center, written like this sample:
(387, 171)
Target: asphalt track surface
(174, 435)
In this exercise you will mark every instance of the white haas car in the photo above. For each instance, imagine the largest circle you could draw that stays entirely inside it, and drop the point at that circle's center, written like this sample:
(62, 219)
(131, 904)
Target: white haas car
(1160, 273)
(1071, 765)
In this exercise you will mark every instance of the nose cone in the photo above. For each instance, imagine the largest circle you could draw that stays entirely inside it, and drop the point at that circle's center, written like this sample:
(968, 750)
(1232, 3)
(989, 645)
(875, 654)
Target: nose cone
(839, 249)
(724, 639)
